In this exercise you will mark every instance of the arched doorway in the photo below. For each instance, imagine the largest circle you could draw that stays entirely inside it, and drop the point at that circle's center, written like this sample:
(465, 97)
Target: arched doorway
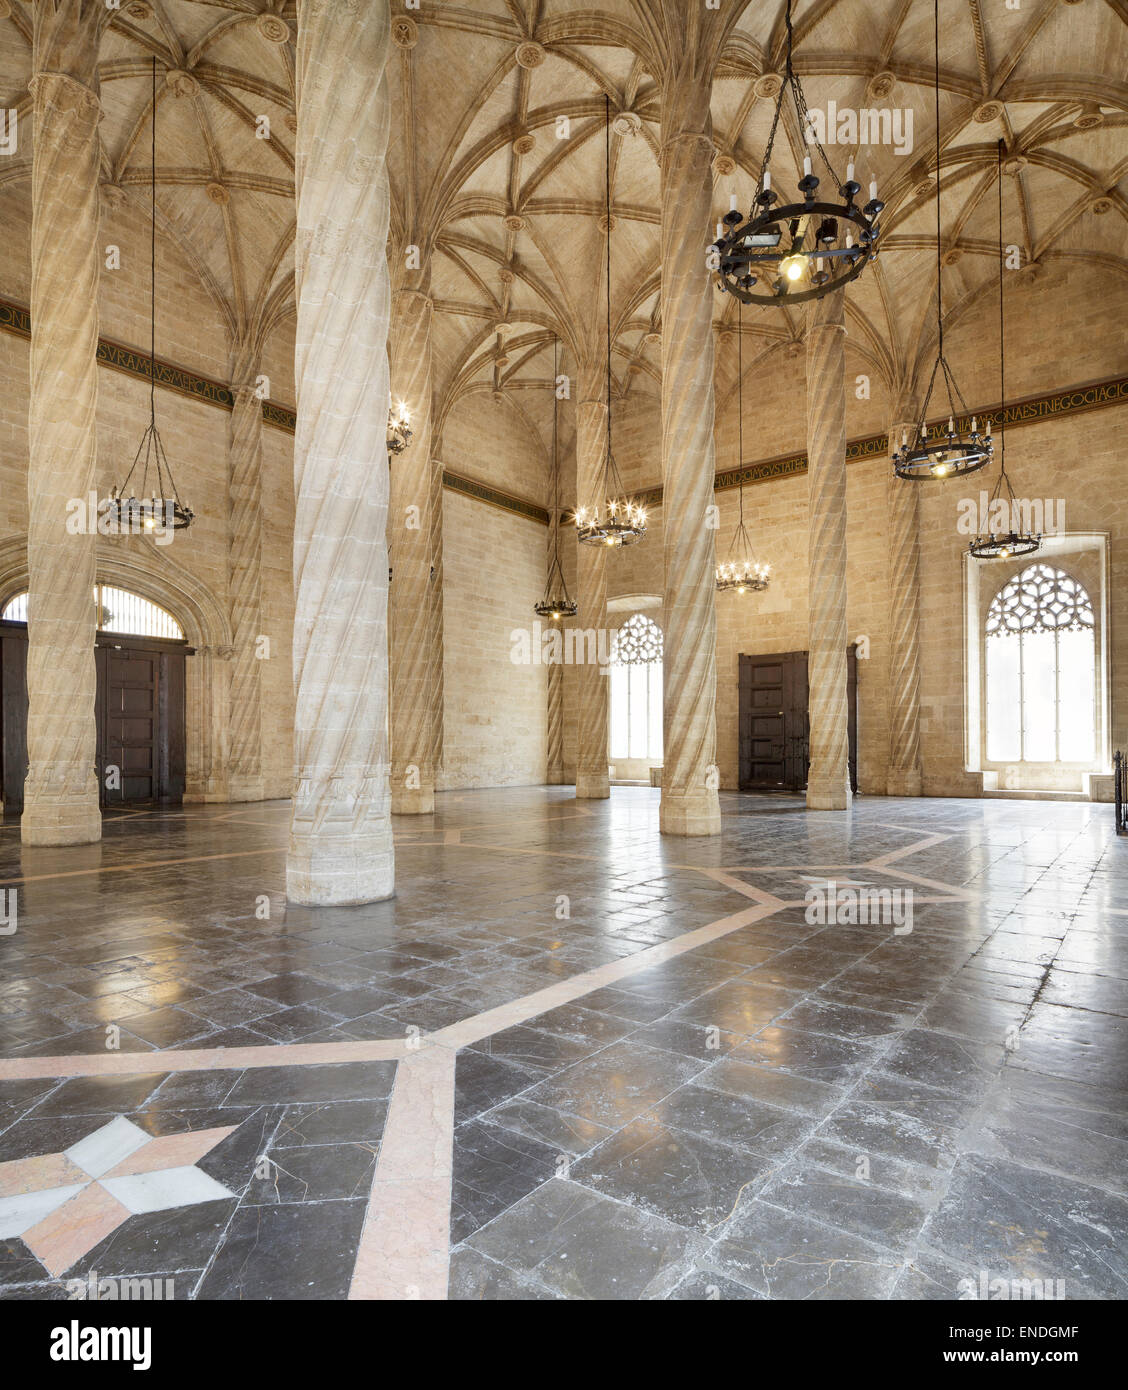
(140, 705)
(139, 567)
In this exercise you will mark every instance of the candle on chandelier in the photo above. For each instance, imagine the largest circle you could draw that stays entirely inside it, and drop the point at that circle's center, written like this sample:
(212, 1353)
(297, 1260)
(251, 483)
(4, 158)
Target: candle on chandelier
(806, 165)
(850, 172)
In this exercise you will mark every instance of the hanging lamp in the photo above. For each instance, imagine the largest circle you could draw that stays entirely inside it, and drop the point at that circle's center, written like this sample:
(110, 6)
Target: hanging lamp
(945, 453)
(798, 251)
(1010, 541)
(617, 519)
(556, 602)
(160, 509)
(740, 572)
(400, 433)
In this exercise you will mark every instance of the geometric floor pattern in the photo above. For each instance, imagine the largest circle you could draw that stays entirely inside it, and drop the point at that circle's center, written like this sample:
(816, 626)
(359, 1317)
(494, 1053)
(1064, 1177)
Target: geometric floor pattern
(573, 1059)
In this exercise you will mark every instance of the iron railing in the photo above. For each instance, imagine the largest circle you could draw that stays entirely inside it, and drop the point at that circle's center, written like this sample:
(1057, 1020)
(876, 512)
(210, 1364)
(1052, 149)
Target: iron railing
(1120, 791)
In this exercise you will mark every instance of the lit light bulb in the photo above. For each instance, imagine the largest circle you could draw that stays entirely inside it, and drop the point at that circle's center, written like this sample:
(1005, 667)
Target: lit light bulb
(793, 266)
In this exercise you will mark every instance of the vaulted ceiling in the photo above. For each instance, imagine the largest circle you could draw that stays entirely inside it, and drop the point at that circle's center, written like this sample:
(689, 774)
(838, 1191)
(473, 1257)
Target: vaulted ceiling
(507, 200)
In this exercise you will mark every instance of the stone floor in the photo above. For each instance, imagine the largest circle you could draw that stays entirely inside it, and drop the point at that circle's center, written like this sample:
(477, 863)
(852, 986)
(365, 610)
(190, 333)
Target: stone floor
(572, 1059)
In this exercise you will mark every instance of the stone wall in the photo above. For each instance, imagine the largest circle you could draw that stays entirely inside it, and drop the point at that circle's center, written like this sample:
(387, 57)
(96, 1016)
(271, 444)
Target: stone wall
(496, 712)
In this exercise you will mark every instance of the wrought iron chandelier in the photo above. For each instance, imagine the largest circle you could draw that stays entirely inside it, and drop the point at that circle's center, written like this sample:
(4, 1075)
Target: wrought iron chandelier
(797, 251)
(556, 602)
(1011, 541)
(618, 519)
(161, 508)
(945, 453)
(740, 572)
(400, 433)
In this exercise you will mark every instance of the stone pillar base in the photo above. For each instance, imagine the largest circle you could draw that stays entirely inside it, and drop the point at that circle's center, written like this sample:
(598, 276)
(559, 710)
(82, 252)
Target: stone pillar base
(241, 788)
(689, 813)
(828, 794)
(555, 777)
(340, 872)
(592, 786)
(77, 823)
(419, 801)
(903, 781)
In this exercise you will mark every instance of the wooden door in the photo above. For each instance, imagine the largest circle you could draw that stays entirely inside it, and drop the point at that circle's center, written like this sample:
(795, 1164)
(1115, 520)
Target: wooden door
(774, 728)
(139, 711)
(132, 742)
(13, 715)
(773, 721)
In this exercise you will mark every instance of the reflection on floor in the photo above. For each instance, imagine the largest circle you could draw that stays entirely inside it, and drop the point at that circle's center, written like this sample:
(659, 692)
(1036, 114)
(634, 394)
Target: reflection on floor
(865, 1055)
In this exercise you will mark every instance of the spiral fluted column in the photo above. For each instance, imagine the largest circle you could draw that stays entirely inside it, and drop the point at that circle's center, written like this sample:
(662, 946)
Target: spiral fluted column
(61, 787)
(435, 616)
(592, 782)
(690, 805)
(554, 759)
(340, 836)
(828, 781)
(244, 589)
(904, 775)
(409, 543)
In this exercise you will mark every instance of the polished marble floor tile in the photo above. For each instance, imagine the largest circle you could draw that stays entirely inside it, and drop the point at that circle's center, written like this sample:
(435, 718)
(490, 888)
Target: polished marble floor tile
(771, 1107)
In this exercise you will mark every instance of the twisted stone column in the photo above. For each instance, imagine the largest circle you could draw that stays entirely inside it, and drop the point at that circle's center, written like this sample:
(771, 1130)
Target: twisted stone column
(690, 805)
(593, 732)
(61, 788)
(904, 775)
(340, 835)
(554, 759)
(828, 782)
(435, 616)
(410, 541)
(244, 589)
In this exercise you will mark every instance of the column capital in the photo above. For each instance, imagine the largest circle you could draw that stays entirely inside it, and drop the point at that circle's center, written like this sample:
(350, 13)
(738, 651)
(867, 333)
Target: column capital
(671, 144)
(65, 93)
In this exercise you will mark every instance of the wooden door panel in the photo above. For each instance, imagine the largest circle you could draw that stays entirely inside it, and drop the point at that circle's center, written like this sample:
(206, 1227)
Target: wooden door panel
(132, 728)
(773, 722)
(139, 713)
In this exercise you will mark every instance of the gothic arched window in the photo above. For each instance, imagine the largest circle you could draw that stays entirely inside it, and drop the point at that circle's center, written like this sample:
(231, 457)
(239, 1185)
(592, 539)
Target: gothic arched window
(1041, 670)
(636, 690)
